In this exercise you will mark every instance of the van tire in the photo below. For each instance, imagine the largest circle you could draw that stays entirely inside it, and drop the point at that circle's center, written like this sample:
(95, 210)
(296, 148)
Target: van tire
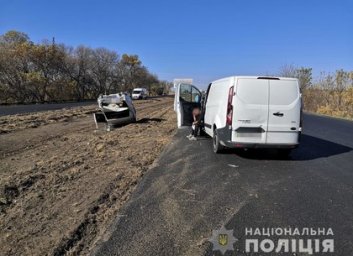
(217, 147)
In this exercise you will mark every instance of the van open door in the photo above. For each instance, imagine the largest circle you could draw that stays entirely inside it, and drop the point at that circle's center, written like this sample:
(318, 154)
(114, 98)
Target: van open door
(187, 97)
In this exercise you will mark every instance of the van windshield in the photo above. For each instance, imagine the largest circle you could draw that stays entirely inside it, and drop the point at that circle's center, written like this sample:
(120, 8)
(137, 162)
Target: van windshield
(136, 91)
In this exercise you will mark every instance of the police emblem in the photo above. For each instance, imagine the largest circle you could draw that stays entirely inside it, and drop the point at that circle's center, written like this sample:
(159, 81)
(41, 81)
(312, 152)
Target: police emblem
(222, 240)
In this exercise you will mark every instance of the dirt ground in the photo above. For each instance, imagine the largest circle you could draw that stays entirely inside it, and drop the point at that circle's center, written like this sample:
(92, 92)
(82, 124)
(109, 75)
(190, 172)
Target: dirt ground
(62, 182)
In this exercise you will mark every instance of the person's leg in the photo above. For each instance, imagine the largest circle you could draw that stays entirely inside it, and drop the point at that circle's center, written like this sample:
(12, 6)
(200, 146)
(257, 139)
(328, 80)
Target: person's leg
(197, 128)
(191, 132)
(194, 133)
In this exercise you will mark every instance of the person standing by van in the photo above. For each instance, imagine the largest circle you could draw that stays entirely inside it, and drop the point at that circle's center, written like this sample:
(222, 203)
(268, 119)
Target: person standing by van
(196, 116)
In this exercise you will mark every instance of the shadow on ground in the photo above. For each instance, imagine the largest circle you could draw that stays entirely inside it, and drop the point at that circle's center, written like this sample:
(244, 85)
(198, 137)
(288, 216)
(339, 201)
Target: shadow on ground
(148, 120)
(310, 148)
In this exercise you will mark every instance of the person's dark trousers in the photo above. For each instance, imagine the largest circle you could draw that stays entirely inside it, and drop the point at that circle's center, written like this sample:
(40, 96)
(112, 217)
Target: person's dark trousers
(195, 131)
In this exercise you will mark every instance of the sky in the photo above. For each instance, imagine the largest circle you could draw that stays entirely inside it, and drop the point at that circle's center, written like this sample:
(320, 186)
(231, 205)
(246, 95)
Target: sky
(200, 39)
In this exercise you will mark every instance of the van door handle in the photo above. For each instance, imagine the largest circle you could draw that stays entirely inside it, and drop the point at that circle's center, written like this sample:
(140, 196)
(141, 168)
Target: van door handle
(278, 114)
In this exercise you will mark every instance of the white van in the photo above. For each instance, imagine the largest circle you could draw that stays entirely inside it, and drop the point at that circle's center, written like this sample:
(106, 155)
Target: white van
(139, 93)
(248, 112)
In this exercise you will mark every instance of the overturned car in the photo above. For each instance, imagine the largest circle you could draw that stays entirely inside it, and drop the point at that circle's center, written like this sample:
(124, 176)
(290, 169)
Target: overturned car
(115, 109)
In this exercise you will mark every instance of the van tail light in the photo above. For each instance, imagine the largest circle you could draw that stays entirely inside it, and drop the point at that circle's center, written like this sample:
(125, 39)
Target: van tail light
(229, 117)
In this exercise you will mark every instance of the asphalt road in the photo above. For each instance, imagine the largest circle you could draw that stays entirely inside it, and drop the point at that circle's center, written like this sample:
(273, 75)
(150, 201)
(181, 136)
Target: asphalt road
(30, 108)
(192, 191)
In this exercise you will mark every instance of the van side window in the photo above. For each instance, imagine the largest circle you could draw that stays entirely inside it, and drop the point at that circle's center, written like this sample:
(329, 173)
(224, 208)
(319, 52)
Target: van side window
(189, 93)
(185, 92)
(195, 94)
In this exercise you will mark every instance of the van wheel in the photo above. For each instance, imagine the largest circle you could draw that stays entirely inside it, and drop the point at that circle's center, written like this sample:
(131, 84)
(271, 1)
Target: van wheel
(217, 147)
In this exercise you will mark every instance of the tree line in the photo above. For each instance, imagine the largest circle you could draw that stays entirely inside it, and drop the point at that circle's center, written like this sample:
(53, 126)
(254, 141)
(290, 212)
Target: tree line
(49, 72)
(330, 94)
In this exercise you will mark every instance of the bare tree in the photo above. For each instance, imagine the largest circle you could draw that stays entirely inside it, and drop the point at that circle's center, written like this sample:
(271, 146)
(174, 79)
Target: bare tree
(103, 65)
(304, 76)
(51, 72)
(326, 83)
(288, 70)
(342, 80)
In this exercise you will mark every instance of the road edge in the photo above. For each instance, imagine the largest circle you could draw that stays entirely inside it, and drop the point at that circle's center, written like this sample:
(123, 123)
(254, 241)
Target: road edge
(115, 222)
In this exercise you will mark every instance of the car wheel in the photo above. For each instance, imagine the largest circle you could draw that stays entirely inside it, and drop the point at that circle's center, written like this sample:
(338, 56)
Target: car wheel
(217, 147)
(134, 119)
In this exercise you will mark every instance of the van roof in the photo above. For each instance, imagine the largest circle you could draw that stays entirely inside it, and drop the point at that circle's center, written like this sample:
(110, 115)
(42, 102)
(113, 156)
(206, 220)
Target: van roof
(257, 77)
(139, 89)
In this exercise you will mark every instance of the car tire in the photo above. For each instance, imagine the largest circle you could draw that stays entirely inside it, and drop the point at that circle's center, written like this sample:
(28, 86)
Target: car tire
(134, 119)
(217, 147)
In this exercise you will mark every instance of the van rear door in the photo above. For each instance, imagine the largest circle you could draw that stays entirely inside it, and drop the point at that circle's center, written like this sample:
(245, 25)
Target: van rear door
(250, 111)
(187, 97)
(284, 111)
